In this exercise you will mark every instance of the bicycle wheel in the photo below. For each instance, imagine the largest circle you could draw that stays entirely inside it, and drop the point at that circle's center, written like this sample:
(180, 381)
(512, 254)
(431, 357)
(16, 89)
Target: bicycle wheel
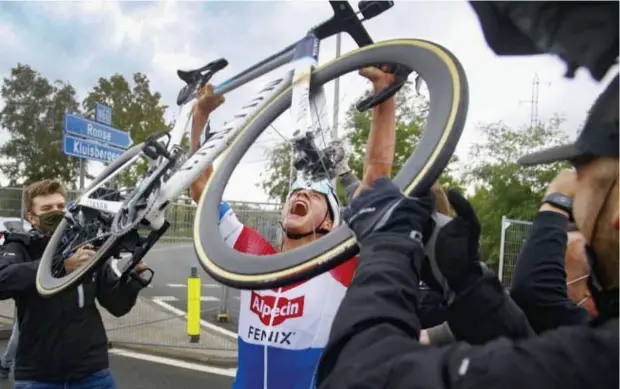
(49, 281)
(448, 90)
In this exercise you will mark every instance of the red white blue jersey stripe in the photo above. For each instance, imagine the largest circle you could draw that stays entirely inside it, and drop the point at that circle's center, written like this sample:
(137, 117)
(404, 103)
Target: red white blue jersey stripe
(282, 332)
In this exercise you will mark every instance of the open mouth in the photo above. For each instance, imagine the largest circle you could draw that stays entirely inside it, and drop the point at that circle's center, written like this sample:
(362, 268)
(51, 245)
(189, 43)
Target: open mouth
(299, 208)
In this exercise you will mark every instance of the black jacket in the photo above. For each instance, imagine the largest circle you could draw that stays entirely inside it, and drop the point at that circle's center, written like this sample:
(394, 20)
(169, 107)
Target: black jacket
(539, 280)
(373, 341)
(62, 337)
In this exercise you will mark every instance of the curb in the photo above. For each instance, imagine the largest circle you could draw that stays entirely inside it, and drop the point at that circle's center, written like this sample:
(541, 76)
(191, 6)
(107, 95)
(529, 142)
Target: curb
(227, 359)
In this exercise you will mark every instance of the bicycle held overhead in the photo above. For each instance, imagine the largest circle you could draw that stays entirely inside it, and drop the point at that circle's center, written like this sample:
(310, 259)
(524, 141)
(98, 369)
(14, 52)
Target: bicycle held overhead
(172, 170)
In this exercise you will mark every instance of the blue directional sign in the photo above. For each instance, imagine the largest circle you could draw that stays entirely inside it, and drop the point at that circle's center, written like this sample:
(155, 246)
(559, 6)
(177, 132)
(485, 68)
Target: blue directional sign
(103, 114)
(83, 148)
(85, 128)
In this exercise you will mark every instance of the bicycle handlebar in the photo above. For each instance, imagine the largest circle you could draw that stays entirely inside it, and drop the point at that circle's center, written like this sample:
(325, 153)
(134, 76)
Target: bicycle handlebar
(344, 20)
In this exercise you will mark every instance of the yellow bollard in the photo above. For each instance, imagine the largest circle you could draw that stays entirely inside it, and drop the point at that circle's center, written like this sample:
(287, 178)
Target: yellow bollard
(193, 306)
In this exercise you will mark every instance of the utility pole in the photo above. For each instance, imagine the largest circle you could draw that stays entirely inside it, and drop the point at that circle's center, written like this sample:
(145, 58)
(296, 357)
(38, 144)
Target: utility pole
(336, 91)
(533, 102)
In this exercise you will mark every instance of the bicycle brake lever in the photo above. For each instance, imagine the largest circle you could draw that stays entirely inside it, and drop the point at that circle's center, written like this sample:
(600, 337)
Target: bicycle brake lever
(401, 74)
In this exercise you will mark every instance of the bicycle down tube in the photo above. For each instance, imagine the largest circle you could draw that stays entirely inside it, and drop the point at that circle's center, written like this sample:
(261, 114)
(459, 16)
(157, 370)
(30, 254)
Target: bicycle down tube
(209, 151)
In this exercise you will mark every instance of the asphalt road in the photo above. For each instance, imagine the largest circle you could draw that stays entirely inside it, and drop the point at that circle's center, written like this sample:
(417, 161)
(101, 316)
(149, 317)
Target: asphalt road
(139, 371)
(172, 265)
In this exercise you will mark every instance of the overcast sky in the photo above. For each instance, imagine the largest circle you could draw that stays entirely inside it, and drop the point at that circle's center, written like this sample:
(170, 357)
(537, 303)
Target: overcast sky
(80, 42)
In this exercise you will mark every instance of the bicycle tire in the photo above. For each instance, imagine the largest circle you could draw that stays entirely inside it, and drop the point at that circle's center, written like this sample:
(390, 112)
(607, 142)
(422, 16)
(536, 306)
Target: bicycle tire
(449, 97)
(47, 284)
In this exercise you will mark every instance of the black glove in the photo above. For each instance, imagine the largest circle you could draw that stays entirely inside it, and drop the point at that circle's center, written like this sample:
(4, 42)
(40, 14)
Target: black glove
(384, 208)
(457, 245)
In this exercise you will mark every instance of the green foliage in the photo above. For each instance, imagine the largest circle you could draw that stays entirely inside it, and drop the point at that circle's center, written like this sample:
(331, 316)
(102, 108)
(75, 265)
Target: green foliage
(504, 188)
(135, 109)
(277, 175)
(33, 116)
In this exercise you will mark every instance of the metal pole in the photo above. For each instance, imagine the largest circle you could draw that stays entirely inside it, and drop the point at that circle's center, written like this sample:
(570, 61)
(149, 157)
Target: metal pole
(22, 213)
(223, 315)
(500, 269)
(82, 173)
(336, 91)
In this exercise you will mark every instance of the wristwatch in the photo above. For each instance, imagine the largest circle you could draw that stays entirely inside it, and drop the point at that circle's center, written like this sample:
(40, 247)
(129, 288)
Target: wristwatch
(560, 201)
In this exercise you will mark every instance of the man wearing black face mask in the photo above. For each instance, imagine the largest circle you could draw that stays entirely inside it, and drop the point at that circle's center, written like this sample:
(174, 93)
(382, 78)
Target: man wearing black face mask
(62, 340)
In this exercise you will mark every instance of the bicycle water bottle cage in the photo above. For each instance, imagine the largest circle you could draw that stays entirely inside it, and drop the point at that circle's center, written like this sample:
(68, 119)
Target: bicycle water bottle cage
(154, 149)
(401, 74)
(197, 78)
(313, 162)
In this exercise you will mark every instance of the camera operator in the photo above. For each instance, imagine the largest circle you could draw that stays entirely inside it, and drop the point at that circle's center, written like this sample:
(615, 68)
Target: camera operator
(62, 340)
(374, 338)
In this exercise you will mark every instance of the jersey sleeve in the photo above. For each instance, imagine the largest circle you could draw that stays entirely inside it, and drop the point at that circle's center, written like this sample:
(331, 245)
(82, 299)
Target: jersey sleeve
(229, 225)
(240, 237)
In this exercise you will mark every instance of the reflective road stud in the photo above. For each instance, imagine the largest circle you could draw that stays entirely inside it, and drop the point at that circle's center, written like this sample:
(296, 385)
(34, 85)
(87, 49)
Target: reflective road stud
(193, 306)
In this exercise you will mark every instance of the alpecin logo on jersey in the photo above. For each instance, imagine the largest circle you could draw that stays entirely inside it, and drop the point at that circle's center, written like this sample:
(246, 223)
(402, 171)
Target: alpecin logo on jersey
(264, 307)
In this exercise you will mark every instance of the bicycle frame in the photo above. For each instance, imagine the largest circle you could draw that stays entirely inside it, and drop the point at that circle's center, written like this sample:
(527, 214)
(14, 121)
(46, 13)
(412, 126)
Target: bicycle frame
(309, 113)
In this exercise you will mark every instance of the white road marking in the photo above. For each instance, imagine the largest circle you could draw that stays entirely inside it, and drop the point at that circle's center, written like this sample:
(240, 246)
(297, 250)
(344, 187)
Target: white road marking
(236, 297)
(185, 285)
(165, 298)
(204, 323)
(209, 298)
(174, 362)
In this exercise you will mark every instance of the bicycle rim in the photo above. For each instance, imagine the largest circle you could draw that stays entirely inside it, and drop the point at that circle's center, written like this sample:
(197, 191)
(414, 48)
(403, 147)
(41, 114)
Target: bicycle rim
(47, 283)
(448, 89)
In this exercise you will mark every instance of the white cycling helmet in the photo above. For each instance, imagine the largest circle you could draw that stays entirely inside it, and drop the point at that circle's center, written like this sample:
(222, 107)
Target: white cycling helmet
(324, 187)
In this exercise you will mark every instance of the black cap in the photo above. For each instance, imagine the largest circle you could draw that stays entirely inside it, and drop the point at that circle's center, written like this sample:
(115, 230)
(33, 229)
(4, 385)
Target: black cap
(599, 137)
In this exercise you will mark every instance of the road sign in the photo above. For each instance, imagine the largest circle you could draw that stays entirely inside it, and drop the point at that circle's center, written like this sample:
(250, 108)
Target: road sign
(85, 128)
(88, 149)
(103, 114)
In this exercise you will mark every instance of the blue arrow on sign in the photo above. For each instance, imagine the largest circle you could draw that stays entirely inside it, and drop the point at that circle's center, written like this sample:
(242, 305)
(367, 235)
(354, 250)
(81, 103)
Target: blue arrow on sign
(77, 125)
(87, 149)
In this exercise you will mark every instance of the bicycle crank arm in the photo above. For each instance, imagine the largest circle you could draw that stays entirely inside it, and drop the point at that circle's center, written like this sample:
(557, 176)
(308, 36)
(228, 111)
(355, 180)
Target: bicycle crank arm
(141, 251)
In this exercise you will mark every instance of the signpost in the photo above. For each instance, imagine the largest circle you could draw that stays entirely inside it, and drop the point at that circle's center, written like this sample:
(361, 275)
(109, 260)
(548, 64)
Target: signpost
(83, 148)
(94, 140)
(78, 126)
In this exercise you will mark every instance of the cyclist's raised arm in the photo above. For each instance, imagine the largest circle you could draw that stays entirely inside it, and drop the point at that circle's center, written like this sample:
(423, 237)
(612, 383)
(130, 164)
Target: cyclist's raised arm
(206, 104)
(382, 137)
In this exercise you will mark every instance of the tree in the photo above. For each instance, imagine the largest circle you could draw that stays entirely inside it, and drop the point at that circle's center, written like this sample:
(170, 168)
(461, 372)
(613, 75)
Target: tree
(504, 188)
(33, 116)
(136, 110)
(411, 111)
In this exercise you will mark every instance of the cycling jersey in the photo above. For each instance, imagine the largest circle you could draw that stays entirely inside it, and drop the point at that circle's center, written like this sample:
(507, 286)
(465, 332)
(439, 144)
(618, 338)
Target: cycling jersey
(282, 332)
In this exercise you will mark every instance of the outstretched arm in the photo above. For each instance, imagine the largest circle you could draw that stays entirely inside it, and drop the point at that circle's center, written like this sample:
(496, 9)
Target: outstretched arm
(381, 143)
(381, 140)
(206, 104)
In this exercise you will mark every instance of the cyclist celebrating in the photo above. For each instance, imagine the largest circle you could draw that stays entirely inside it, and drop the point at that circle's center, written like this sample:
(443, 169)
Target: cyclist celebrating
(282, 332)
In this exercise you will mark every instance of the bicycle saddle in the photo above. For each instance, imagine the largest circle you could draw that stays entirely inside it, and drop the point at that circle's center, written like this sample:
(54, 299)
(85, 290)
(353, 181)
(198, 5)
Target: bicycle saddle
(196, 75)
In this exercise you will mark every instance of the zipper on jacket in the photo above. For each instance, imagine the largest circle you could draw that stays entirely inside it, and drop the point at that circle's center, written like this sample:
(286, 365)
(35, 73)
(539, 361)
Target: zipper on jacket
(81, 296)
